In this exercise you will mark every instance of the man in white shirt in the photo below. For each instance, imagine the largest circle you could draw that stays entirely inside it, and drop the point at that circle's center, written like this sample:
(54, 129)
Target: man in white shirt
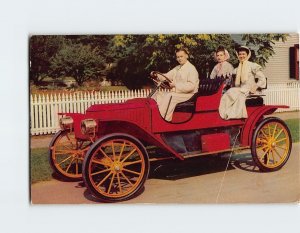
(184, 83)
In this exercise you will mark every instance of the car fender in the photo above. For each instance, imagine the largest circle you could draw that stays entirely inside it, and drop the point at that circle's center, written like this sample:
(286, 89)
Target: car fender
(252, 121)
(130, 128)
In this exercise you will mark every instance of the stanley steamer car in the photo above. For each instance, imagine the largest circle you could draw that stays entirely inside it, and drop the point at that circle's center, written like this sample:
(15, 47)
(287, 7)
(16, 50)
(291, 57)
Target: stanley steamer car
(106, 146)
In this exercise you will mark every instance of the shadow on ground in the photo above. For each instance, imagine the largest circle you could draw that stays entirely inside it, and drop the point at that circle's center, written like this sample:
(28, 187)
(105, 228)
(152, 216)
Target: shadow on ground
(176, 169)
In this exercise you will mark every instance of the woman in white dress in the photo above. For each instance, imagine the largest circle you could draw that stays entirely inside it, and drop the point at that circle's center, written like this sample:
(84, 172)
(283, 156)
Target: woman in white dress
(232, 104)
(223, 68)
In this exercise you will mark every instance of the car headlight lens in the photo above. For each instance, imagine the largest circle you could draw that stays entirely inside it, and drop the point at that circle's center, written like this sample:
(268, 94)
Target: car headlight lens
(66, 123)
(88, 127)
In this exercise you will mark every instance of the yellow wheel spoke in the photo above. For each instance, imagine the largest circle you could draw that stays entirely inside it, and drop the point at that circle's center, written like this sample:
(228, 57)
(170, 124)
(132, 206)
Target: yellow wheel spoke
(70, 165)
(99, 162)
(66, 147)
(268, 157)
(262, 157)
(131, 152)
(113, 150)
(99, 172)
(261, 148)
(119, 182)
(121, 152)
(280, 140)
(130, 163)
(111, 182)
(85, 149)
(273, 156)
(126, 179)
(104, 179)
(63, 153)
(283, 148)
(261, 140)
(105, 155)
(70, 140)
(65, 160)
(274, 131)
(130, 171)
(278, 134)
(277, 153)
(264, 134)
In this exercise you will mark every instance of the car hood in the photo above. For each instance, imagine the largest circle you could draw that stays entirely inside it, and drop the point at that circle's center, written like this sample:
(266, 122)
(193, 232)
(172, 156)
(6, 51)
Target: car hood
(129, 104)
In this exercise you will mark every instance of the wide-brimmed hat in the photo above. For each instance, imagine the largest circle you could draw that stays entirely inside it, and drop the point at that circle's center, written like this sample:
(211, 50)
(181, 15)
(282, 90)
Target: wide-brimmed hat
(243, 48)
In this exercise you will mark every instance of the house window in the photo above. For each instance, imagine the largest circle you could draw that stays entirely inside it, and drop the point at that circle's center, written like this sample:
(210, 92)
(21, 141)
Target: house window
(294, 62)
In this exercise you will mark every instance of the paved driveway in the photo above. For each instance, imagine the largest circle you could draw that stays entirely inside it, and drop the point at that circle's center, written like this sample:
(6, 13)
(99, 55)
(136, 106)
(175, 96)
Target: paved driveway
(198, 180)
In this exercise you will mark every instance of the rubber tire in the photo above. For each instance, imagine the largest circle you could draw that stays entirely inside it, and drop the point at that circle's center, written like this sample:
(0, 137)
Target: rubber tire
(88, 157)
(253, 143)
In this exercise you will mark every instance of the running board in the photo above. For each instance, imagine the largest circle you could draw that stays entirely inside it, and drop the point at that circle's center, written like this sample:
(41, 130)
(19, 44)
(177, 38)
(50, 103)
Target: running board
(193, 154)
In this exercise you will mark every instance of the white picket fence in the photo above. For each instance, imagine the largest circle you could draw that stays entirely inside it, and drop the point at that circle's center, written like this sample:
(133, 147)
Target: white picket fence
(283, 94)
(44, 108)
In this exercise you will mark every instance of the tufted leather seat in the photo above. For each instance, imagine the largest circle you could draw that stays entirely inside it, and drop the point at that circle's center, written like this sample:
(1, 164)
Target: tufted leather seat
(206, 87)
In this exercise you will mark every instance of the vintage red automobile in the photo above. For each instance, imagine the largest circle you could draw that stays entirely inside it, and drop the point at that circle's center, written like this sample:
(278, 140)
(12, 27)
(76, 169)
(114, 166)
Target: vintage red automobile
(108, 146)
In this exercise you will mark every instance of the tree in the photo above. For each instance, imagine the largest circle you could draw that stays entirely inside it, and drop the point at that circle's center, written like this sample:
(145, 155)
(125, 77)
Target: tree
(137, 55)
(82, 62)
(262, 45)
(41, 50)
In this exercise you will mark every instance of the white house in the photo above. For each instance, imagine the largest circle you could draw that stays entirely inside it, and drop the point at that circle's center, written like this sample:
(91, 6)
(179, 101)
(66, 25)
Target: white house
(283, 66)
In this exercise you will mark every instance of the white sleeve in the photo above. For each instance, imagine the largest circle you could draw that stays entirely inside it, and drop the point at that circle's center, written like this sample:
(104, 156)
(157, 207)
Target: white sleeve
(257, 71)
(190, 85)
(170, 75)
(213, 73)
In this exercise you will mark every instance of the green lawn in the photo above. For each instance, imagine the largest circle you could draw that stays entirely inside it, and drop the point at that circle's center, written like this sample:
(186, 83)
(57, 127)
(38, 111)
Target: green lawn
(39, 165)
(41, 170)
(294, 126)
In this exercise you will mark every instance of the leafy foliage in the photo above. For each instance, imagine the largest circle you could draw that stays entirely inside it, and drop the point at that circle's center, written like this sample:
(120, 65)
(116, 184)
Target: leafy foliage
(130, 58)
(41, 50)
(262, 45)
(79, 61)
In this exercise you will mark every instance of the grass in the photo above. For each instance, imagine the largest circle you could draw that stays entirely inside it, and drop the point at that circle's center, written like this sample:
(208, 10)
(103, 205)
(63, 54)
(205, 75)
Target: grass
(39, 165)
(294, 126)
(41, 170)
(56, 90)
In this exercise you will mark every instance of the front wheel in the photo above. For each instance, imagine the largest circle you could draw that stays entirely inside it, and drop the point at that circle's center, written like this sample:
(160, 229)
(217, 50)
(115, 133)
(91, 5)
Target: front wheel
(271, 144)
(66, 155)
(116, 168)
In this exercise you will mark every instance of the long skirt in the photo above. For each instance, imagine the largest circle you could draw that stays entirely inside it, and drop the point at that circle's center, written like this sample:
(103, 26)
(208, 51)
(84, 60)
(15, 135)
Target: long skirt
(233, 104)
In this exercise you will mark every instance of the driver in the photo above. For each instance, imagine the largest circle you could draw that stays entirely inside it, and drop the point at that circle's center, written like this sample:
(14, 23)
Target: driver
(184, 83)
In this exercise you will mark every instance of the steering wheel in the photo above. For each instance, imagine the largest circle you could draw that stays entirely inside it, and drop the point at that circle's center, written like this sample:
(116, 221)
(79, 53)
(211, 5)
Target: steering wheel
(160, 83)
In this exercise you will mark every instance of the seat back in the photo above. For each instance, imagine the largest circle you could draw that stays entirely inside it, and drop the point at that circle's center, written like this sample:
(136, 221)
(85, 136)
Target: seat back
(207, 88)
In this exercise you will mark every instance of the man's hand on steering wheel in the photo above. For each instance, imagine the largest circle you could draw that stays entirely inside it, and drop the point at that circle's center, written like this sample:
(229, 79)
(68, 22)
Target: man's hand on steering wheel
(166, 83)
(171, 84)
(153, 74)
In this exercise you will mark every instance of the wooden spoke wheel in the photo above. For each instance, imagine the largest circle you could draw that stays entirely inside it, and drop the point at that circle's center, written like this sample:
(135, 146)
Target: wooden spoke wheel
(66, 155)
(116, 168)
(271, 144)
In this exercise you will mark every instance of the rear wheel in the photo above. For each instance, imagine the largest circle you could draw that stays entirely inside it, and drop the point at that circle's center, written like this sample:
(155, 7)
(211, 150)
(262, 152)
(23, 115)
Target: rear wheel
(271, 144)
(66, 155)
(116, 168)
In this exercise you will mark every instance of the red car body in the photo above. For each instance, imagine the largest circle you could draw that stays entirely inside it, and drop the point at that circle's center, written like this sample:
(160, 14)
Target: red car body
(113, 160)
(141, 119)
